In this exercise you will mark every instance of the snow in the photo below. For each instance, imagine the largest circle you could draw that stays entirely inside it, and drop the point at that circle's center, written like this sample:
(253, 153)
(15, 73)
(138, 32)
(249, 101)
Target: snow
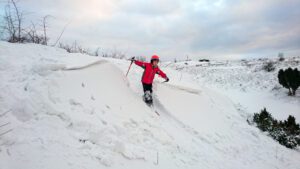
(245, 83)
(68, 111)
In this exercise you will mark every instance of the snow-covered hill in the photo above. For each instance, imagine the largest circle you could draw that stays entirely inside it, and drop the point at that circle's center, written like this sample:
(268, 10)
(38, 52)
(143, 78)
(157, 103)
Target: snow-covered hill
(245, 82)
(61, 110)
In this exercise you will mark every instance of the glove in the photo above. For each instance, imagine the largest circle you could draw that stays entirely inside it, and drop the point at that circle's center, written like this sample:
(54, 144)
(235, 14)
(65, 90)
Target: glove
(132, 59)
(167, 79)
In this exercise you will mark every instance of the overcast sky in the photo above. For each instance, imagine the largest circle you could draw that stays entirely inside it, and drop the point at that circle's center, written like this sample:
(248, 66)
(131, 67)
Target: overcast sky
(176, 28)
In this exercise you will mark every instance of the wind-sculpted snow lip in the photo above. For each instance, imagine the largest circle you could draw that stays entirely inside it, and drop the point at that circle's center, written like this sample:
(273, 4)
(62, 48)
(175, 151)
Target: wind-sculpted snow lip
(85, 66)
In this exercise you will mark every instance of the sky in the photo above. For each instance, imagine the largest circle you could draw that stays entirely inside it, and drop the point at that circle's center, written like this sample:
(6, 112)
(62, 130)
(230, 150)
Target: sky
(174, 28)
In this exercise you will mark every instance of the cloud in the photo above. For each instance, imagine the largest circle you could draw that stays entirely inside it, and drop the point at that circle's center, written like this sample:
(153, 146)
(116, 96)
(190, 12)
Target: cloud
(176, 28)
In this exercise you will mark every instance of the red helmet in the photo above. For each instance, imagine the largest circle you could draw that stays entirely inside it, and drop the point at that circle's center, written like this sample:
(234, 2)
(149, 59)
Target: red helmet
(154, 57)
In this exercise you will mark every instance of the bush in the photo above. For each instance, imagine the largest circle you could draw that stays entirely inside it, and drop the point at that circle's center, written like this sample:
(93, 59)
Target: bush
(269, 66)
(203, 60)
(286, 132)
(263, 120)
(290, 79)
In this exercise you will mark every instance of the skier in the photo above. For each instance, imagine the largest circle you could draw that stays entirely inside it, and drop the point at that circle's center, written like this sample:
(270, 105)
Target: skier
(150, 69)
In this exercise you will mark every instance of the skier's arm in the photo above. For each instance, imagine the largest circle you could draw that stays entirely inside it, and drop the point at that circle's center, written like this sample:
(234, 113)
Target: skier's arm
(162, 74)
(139, 63)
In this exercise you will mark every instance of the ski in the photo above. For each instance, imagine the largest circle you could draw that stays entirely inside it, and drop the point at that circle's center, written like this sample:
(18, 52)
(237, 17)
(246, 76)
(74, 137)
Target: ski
(151, 106)
(155, 111)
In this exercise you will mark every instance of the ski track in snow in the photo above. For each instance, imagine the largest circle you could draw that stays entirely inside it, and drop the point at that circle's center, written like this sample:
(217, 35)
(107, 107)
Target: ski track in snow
(75, 111)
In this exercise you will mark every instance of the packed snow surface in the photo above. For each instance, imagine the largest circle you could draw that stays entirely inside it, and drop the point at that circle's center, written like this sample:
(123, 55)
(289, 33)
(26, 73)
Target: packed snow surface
(70, 111)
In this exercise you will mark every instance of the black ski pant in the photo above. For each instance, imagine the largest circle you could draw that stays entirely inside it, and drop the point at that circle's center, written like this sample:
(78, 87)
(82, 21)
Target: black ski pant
(147, 87)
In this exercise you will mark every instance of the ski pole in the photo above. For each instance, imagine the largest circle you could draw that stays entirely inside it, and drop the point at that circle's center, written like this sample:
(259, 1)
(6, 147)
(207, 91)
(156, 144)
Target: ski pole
(129, 68)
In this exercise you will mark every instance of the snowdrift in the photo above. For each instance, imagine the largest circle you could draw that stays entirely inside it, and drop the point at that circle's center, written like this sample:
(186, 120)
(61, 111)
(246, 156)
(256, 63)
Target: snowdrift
(63, 110)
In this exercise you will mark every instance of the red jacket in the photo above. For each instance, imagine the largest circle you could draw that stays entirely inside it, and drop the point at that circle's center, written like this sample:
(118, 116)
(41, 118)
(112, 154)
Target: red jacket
(149, 72)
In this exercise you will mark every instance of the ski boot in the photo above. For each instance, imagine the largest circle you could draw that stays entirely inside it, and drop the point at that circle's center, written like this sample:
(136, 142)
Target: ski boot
(148, 98)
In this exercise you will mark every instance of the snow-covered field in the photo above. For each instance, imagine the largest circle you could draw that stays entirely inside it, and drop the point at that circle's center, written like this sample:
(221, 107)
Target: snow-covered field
(61, 110)
(245, 82)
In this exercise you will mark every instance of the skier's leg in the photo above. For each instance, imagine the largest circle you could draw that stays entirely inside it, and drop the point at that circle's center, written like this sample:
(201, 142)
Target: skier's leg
(150, 94)
(147, 92)
(145, 87)
(150, 87)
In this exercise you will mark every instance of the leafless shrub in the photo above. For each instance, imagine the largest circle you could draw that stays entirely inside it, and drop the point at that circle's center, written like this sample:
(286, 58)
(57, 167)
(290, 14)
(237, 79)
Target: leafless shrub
(114, 54)
(13, 20)
(14, 30)
(96, 52)
(45, 38)
(60, 35)
(34, 36)
(269, 66)
(75, 48)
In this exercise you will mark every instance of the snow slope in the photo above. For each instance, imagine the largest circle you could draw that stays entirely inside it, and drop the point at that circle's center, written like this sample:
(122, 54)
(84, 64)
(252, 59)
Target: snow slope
(245, 82)
(61, 110)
